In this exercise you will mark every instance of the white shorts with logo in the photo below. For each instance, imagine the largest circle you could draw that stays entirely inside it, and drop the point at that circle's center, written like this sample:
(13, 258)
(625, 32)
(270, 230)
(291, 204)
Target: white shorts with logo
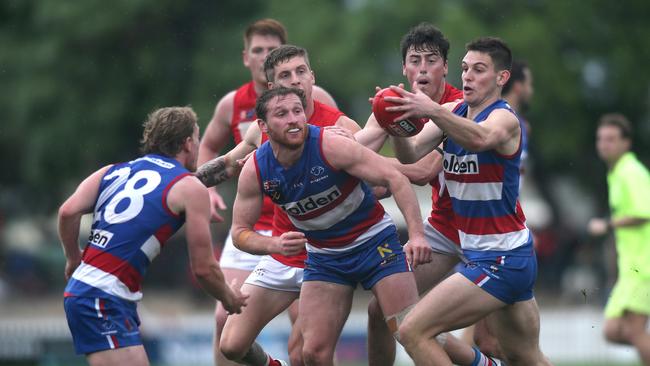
(274, 275)
(440, 243)
(231, 257)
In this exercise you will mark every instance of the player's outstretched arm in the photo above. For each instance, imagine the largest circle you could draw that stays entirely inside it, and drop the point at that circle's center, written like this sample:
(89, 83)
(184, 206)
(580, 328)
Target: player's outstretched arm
(361, 162)
(349, 124)
(500, 131)
(345, 126)
(225, 167)
(372, 135)
(81, 202)
(422, 171)
(246, 212)
(190, 197)
(410, 150)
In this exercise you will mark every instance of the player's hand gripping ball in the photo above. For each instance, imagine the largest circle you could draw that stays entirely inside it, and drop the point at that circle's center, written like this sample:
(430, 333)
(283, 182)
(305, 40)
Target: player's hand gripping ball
(403, 128)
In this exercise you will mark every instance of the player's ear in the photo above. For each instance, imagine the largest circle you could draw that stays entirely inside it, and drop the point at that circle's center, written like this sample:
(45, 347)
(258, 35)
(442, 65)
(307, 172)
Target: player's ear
(262, 125)
(502, 77)
(187, 144)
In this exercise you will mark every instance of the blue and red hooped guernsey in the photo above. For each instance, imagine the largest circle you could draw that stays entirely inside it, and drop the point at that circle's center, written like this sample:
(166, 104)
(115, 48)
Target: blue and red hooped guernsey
(131, 224)
(335, 210)
(484, 189)
(323, 115)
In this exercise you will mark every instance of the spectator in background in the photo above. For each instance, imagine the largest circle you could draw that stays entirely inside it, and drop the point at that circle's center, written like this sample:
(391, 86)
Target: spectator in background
(628, 180)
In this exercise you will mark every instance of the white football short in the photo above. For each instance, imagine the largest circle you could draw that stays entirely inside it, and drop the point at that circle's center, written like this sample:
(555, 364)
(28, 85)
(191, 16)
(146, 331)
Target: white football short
(231, 257)
(440, 243)
(274, 275)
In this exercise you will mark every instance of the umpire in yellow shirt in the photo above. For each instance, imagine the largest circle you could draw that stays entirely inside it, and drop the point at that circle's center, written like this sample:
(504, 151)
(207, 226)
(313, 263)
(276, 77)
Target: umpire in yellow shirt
(628, 180)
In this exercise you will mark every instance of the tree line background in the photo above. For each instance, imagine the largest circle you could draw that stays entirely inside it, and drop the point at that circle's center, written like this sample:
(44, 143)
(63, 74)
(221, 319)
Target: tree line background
(78, 77)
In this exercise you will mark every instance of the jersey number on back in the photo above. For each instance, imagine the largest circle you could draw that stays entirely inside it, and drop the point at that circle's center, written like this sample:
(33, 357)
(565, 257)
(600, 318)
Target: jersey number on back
(135, 196)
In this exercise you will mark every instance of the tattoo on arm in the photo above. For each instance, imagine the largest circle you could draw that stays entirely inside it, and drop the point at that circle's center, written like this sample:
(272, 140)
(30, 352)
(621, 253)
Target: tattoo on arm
(213, 172)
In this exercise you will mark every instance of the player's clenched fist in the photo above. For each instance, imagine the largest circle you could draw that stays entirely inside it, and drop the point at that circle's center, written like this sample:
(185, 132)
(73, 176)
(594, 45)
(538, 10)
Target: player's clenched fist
(290, 243)
(235, 300)
(417, 252)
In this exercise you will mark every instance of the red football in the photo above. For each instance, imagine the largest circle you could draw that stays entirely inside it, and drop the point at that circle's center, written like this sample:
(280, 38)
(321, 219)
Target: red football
(403, 128)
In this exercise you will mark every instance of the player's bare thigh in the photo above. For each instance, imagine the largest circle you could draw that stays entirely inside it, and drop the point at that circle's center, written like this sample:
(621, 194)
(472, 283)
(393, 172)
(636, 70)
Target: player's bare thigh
(133, 355)
(324, 308)
(446, 254)
(454, 303)
(429, 274)
(396, 292)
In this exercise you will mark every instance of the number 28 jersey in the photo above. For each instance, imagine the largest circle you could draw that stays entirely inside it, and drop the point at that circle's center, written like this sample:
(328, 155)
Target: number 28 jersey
(131, 224)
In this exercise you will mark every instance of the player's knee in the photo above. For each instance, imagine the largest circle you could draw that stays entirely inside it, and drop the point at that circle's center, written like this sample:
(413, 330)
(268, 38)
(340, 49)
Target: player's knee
(410, 333)
(489, 346)
(232, 350)
(406, 334)
(295, 356)
(294, 348)
(313, 354)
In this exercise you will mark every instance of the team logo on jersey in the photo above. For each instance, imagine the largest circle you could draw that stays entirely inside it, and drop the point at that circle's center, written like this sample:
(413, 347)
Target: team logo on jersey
(108, 327)
(386, 254)
(463, 164)
(312, 203)
(271, 185)
(100, 238)
(317, 170)
(272, 188)
(316, 174)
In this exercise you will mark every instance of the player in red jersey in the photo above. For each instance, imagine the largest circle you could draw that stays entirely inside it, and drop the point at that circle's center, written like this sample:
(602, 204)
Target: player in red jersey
(234, 113)
(275, 283)
(424, 64)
